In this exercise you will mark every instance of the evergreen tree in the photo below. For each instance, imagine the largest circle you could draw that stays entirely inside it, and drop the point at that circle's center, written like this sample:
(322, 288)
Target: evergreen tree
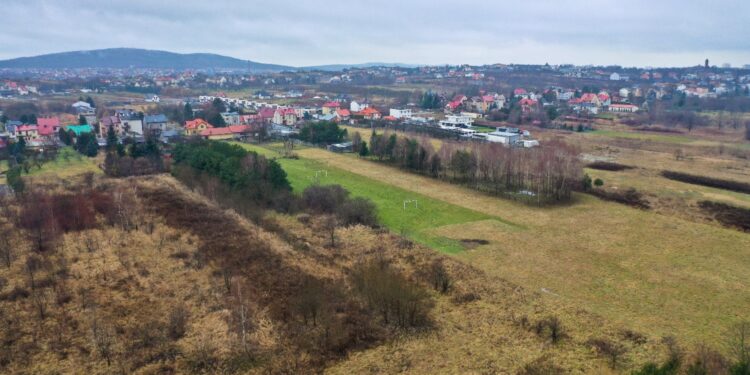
(82, 120)
(363, 151)
(111, 139)
(64, 137)
(188, 111)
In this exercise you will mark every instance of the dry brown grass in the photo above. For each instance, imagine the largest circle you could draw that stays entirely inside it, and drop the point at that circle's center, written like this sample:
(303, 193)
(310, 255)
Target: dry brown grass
(651, 272)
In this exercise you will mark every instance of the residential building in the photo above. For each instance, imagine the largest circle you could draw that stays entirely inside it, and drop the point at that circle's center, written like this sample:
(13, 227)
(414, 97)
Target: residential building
(28, 132)
(400, 113)
(155, 124)
(330, 107)
(228, 132)
(355, 106)
(456, 121)
(195, 127)
(369, 113)
(623, 108)
(231, 118)
(285, 116)
(47, 126)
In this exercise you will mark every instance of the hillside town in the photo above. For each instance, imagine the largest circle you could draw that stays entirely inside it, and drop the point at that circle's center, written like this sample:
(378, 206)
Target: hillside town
(486, 109)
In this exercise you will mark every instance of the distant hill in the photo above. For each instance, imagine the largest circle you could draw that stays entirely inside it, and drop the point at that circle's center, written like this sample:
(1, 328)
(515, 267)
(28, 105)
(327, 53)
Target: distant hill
(124, 58)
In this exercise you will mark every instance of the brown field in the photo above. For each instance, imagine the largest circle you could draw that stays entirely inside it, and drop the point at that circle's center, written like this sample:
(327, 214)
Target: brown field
(651, 272)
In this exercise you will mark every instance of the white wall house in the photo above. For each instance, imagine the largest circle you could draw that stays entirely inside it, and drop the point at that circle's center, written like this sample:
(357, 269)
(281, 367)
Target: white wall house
(455, 121)
(355, 106)
(400, 113)
(614, 77)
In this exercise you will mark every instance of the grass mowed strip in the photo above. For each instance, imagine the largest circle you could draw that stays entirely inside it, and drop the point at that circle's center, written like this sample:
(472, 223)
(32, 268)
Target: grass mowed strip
(415, 218)
(657, 274)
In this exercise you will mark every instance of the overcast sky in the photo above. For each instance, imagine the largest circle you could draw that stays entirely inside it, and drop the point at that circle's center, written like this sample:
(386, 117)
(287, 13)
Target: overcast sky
(306, 32)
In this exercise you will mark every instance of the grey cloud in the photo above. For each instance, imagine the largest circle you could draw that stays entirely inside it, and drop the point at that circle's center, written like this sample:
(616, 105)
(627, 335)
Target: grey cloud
(294, 32)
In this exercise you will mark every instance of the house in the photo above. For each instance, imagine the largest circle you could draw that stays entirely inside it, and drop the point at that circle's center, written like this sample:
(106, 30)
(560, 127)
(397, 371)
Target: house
(285, 116)
(47, 126)
(343, 114)
(330, 107)
(623, 108)
(400, 113)
(452, 106)
(355, 106)
(341, 147)
(83, 108)
(79, 129)
(195, 127)
(456, 121)
(229, 132)
(520, 93)
(109, 122)
(155, 124)
(604, 98)
(152, 98)
(131, 127)
(504, 137)
(369, 113)
(266, 114)
(28, 132)
(527, 105)
(11, 126)
(231, 118)
(614, 77)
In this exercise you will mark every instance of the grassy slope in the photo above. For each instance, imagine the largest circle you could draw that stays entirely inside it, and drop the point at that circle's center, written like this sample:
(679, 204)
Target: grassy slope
(654, 273)
(68, 163)
(416, 223)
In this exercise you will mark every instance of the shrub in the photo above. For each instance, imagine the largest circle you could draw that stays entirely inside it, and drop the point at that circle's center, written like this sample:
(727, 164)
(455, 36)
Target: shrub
(740, 187)
(630, 197)
(608, 166)
(550, 327)
(439, 277)
(541, 366)
(598, 182)
(357, 211)
(387, 292)
(613, 351)
(728, 215)
(324, 199)
(177, 323)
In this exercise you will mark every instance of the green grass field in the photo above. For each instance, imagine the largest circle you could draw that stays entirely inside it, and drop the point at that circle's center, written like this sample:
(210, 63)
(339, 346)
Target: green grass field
(68, 163)
(417, 223)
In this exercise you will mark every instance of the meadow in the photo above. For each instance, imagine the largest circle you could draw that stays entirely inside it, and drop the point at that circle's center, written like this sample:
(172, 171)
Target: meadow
(415, 220)
(67, 163)
(654, 273)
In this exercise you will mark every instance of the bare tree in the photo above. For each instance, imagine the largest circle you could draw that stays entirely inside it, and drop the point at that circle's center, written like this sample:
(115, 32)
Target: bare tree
(103, 338)
(739, 342)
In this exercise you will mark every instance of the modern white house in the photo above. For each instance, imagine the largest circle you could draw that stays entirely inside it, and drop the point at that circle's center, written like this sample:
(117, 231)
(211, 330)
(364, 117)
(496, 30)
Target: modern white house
(623, 108)
(400, 113)
(355, 106)
(456, 121)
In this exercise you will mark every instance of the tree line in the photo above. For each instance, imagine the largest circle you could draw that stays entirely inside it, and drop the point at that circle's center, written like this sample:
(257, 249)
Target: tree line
(246, 172)
(540, 175)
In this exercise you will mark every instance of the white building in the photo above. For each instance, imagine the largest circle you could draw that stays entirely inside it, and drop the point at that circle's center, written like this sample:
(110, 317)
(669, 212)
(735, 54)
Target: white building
(456, 121)
(624, 92)
(400, 113)
(357, 107)
(614, 77)
(623, 108)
